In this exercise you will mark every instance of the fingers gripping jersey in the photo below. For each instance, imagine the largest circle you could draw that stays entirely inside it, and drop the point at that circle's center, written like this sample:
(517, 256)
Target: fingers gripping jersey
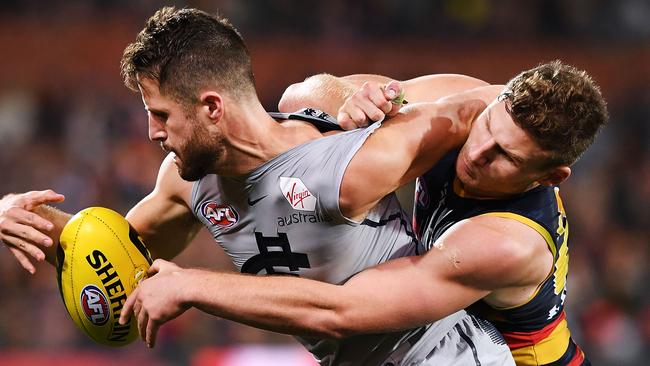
(284, 218)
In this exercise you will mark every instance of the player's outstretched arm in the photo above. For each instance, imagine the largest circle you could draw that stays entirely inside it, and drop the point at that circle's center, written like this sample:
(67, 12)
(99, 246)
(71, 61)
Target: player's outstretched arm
(359, 99)
(475, 260)
(30, 228)
(163, 218)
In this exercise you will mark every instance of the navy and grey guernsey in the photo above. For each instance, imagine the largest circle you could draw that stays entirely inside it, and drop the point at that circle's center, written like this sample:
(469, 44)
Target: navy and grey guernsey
(284, 218)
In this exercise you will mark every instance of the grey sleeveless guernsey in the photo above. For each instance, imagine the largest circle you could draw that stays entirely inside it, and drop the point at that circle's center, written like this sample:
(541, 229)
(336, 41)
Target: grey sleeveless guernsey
(284, 218)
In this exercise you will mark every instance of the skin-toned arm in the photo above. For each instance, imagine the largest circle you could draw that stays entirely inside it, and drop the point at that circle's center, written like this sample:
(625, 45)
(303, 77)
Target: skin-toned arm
(431, 88)
(408, 145)
(479, 258)
(323, 91)
(163, 218)
(375, 101)
(329, 93)
(29, 228)
(405, 146)
(402, 149)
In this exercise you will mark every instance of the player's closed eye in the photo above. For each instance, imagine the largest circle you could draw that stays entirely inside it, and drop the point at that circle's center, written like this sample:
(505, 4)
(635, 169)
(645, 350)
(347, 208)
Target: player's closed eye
(160, 116)
(507, 156)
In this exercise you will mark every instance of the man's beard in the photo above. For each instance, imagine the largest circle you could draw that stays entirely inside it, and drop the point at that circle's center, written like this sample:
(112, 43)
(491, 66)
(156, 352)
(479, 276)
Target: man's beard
(199, 156)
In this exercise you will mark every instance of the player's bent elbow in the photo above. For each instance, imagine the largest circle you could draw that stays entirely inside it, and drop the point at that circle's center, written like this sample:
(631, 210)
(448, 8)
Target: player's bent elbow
(292, 99)
(321, 91)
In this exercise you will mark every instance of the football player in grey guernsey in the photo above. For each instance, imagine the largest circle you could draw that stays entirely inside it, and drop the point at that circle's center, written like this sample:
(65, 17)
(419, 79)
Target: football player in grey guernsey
(278, 198)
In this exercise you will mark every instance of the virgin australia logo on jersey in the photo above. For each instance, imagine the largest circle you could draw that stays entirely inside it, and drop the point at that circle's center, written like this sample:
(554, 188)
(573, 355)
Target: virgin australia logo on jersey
(297, 194)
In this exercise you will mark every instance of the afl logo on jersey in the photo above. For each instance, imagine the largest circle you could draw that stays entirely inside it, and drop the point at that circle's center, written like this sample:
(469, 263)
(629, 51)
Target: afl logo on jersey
(95, 305)
(221, 215)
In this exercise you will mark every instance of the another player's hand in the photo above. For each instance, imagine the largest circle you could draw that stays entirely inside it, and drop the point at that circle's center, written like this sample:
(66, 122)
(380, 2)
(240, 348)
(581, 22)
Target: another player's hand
(156, 300)
(371, 103)
(23, 231)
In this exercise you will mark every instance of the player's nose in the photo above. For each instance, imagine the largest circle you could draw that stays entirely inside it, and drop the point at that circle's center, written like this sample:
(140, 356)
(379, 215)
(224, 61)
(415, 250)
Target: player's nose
(480, 154)
(156, 131)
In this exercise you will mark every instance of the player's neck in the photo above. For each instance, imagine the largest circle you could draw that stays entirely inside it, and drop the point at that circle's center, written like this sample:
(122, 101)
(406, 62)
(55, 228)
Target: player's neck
(252, 137)
(463, 191)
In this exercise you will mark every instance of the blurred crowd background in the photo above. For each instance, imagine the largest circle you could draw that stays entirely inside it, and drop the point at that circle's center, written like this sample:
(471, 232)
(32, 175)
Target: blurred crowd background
(67, 123)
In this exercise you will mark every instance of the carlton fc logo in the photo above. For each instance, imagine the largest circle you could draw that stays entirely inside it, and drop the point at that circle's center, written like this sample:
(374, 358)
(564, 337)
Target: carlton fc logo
(221, 215)
(297, 194)
(95, 305)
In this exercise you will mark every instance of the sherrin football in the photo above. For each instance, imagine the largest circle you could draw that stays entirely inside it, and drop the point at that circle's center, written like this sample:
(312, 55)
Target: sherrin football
(100, 260)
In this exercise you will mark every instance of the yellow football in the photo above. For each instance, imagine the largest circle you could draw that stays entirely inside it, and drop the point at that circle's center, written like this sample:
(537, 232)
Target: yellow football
(100, 260)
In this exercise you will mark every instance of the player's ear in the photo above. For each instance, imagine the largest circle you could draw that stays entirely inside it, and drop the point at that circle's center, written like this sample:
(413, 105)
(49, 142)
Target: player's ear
(556, 176)
(211, 105)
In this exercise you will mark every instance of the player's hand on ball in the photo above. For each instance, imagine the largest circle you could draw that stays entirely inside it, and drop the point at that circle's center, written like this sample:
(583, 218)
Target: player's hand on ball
(371, 103)
(156, 300)
(23, 231)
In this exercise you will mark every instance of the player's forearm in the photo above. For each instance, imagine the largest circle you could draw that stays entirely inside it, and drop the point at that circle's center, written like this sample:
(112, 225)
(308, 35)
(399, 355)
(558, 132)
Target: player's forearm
(59, 219)
(281, 304)
(328, 92)
(431, 88)
(457, 111)
(487, 94)
(377, 300)
(406, 146)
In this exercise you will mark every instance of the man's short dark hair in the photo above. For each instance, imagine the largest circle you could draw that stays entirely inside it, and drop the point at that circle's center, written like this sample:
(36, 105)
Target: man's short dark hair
(185, 50)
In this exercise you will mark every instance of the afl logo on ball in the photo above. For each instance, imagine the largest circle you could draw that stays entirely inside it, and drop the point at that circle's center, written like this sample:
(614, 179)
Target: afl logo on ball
(95, 305)
(221, 215)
